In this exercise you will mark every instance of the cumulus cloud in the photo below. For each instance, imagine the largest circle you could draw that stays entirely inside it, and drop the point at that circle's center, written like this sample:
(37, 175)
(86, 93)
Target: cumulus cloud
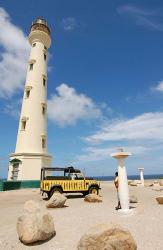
(142, 17)
(97, 154)
(69, 23)
(14, 54)
(158, 87)
(147, 126)
(133, 10)
(141, 135)
(13, 107)
(66, 107)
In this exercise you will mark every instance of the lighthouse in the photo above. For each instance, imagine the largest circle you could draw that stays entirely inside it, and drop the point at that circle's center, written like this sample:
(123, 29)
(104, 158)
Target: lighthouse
(31, 151)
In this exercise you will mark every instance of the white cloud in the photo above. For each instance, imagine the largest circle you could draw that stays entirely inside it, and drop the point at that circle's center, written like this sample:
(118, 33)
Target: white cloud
(133, 10)
(67, 106)
(69, 23)
(13, 107)
(147, 126)
(142, 16)
(158, 87)
(97, 154)
(14, 53)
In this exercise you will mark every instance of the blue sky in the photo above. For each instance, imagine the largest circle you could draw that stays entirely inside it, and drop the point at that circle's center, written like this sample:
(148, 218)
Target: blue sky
(105, 81)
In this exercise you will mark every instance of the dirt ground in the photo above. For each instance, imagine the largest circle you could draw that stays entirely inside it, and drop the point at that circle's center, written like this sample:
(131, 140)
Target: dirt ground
(145, 221)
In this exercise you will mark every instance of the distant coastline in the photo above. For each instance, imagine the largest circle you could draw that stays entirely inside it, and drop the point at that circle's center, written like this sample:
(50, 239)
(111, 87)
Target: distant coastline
(130, 177)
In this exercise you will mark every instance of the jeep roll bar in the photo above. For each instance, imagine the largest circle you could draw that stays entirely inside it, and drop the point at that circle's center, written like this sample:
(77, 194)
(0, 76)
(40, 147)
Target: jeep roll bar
(65, 170)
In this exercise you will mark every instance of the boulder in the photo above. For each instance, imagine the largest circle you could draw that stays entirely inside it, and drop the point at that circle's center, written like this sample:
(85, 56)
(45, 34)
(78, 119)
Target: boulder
(34, 225)
(148, 184)
(156, 184)
(107, 237)
(133, 199)
(56, 201)
(92, 198)
(161, 182)
(160, 200)
(133, 183)
(129, 181)
(138, 182)
(157, 189)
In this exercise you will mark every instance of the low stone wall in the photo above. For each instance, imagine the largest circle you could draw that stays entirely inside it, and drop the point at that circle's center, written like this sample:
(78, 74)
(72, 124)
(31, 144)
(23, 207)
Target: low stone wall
(12, 185)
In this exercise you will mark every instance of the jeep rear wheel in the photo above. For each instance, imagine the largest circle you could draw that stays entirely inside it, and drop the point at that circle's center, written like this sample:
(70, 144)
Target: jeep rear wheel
(93, 190)
(55, 190)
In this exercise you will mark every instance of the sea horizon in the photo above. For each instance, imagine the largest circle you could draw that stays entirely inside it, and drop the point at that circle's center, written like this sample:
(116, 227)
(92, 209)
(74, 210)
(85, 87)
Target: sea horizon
(131, 177)
(109, 178)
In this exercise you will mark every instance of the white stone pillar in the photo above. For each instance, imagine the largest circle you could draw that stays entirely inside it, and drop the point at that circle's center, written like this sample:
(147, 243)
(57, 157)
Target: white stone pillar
(123, 185)
(123, 181)
(141, 175)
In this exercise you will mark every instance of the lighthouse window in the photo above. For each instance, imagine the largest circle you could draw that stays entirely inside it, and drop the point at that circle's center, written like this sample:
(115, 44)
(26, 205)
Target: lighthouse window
(43, 110)
(23, 125)
(44, 56)
(27, 93)
(31, 66)
(44, 82)
(43, 142)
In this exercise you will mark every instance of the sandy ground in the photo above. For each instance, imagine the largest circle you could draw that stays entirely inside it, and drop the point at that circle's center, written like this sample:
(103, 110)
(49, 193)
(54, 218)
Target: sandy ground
(145, 222)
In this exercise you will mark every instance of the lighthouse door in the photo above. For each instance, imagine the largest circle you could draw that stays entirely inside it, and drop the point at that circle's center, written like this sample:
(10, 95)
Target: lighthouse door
(15, 171)
(15, 164)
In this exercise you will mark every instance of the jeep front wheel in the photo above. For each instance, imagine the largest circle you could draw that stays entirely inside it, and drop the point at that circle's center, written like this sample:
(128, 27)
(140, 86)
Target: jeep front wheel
(93, 190)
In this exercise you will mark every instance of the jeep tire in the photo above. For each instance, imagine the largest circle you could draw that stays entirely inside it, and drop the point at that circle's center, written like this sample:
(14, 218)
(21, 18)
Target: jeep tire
(93, 190)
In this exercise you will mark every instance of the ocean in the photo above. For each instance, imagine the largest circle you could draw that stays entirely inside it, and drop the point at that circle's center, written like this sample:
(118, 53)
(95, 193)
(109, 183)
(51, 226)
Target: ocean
(130, 177)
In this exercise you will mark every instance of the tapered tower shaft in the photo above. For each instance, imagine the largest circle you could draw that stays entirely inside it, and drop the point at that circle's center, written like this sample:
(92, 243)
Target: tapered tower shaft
(32, 132)
(31, 146)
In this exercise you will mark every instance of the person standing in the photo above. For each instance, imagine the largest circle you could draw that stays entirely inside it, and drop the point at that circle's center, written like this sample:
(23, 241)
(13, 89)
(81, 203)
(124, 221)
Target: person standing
(116, 183)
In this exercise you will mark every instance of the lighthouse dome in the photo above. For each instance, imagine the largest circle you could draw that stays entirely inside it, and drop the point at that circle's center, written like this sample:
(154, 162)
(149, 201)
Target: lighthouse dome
(41, 21)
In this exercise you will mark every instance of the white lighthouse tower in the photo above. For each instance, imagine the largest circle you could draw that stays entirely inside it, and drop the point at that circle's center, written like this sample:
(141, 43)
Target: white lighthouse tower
(31, 147)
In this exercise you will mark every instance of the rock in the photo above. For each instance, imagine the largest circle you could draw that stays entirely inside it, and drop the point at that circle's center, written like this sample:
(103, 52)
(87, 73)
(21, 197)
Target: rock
(148, 185)
(34, 225)
(156, 184)
(161, 182)
(160, 200)
(133, 199)
(138, 182)
(157, 189)
(92, 198)
(129, 181)
(56, 201)
(107, 237)
(133, 183)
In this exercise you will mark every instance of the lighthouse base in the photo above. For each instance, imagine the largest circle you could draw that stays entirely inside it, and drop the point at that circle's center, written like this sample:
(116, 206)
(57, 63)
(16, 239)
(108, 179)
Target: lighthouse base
(27, 166)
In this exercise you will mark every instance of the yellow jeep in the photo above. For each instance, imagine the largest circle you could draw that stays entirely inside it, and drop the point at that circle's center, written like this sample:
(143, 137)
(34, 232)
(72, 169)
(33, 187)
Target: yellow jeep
(68, 180)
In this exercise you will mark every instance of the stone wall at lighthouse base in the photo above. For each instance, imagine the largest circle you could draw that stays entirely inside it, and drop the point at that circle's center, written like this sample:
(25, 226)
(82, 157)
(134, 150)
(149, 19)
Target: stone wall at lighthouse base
(27, 166)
